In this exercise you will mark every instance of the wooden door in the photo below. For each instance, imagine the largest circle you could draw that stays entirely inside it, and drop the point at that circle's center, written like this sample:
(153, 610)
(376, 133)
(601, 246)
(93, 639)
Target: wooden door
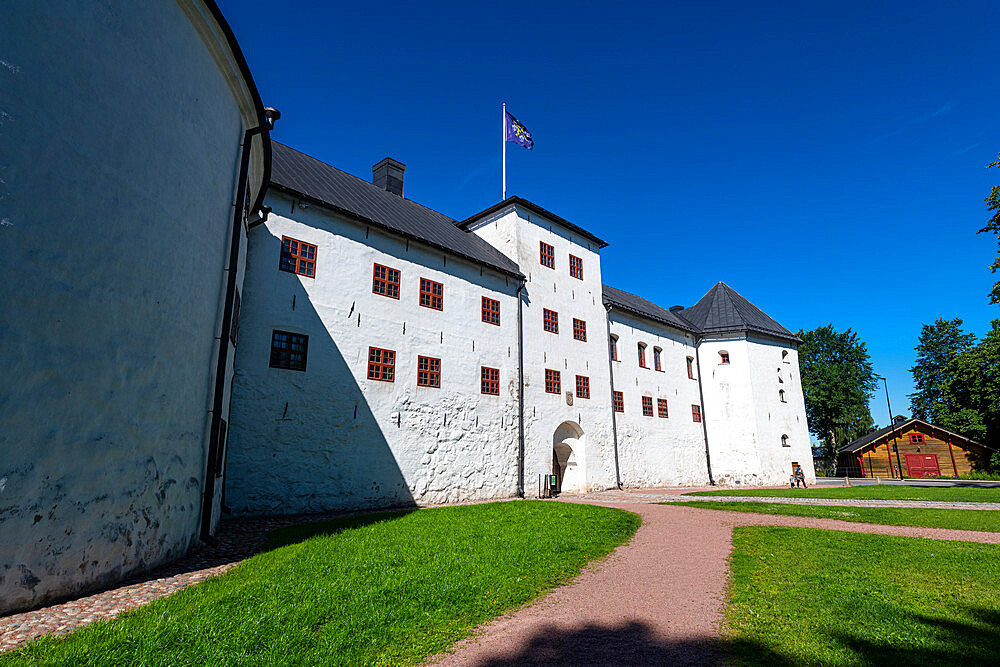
(922, 465)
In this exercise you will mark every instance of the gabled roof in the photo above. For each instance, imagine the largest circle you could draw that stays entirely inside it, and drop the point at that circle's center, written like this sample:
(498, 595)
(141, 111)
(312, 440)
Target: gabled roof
(723, 309)
(638, 306)
(869, 438)
(308, 178)
(535, 208)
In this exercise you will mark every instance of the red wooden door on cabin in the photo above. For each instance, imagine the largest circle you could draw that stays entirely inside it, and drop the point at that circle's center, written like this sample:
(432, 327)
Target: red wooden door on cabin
(922, 465)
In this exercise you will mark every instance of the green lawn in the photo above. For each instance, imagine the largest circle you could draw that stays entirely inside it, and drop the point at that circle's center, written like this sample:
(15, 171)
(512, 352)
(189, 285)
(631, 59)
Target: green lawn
(389, 588)
(951, 494)
(803, 596)
(982, 520)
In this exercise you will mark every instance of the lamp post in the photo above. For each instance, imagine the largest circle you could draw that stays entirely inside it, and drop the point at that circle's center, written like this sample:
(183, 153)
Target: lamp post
(892, 426)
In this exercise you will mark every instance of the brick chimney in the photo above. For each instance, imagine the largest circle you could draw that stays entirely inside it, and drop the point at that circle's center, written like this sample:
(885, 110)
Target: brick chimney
(388, 175)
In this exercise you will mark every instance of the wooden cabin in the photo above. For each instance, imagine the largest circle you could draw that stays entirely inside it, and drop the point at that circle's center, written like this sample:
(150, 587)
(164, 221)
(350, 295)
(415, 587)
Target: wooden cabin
(916, 448)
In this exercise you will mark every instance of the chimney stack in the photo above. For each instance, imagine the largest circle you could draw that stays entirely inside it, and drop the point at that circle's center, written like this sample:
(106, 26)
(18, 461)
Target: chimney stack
(388, 175)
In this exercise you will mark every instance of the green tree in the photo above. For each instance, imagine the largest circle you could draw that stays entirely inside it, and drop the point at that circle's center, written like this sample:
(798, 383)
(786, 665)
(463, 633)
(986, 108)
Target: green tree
(837, 380)
(941, 380)
(993, 204)
(978, 386)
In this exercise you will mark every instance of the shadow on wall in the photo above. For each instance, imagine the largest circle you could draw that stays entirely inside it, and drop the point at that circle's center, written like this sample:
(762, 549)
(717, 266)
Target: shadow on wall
(301, 441)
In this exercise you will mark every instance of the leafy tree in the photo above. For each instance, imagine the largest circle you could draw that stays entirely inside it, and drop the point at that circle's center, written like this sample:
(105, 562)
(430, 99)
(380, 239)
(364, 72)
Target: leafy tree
(942, 393)
(993, 204)
(978, 383)
(837, 380)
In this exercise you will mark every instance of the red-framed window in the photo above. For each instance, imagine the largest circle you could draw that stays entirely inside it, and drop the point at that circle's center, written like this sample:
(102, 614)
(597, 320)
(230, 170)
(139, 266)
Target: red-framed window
(381, 364)
(614, 347)
(552, 383)
(661, 408)
(642, 356)
(647, 406)
(723, 357)
(546, 255)
(618, 401)
(657, 362)
(298, 257)
(288, 350)
(550, 320)
(579, 330)
(385, 281)
(431, 294)
(916, 438)
(582, 386)
(489, 380)
(575, 267)
(690, 366)
(695, 413)
(491, 311)
(428, 372)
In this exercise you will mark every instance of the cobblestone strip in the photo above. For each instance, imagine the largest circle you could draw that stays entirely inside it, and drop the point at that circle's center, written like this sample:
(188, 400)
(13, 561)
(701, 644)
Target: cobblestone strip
(641, 497)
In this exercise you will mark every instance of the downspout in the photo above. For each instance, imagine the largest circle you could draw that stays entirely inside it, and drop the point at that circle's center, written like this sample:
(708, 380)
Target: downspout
(217, 433)
(520, 395)
(611, 381)
(704, 421)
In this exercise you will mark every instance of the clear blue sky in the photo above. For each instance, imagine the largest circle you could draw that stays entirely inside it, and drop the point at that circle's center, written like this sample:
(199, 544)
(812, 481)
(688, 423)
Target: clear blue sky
(825, 160)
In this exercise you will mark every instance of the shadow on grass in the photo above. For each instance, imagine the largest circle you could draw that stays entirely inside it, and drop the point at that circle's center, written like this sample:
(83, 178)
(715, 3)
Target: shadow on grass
(298, 533)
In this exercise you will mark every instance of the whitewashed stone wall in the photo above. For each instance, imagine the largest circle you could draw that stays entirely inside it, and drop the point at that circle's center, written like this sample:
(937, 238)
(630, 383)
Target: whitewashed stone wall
(329, 438)
(120, 124)
(655, 451)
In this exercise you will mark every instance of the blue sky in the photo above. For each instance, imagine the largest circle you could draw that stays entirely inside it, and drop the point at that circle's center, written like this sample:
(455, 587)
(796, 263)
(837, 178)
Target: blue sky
(825, 160)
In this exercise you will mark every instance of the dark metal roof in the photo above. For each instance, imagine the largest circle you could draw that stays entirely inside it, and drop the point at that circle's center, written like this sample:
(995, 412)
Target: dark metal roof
(724, 309)
(308, 178)
(638, 306)
(869, 438)
(536, 209)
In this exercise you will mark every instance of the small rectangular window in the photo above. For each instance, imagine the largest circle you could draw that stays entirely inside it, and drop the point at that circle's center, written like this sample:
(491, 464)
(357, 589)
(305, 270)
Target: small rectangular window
(657, 363)
(582, 386)
(490, 381)
(491, 311)
(381, 364)
(661, 408)
(916, 438)
(547, 255)
(696, 413)
(431, 294)
(690, 365)
(579, 330)
(550, 320)
(298, 257)
(647, 406)
(428, 372)
(614, 348)
(642, 356)
(723, 357)
(385, 281)
(575, 267)
(552, 383)
(288, 350)
(618, 401)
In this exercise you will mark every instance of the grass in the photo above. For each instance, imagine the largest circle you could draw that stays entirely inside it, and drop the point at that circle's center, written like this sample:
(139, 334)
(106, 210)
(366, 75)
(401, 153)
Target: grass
(951, 494)
(802, 596)
(389, 588)
(981, 520)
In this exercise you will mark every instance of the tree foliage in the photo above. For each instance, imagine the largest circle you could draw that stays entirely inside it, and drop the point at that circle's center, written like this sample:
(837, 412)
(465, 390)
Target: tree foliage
(837, 381)
(993, 204)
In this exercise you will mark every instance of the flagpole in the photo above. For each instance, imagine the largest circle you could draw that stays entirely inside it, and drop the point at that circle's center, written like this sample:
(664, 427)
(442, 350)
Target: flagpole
(503, 150)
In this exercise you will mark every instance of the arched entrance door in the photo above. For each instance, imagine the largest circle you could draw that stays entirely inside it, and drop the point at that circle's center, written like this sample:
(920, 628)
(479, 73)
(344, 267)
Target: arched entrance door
(568, 463)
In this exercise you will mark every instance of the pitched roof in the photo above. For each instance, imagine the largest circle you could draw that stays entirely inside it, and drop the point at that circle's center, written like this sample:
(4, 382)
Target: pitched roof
(306, 177)
(531, 206)
(869, 438)
(724, 309)
(638, 306)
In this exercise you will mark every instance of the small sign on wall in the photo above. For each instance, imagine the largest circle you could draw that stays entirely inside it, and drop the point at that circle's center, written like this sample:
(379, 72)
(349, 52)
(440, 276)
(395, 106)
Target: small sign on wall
(569, 398)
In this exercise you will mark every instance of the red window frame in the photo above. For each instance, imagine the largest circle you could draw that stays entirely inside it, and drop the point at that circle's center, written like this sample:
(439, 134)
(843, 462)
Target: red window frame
(431, 294)
(288, 350)
(618, 401)
(381, 364)
(579, 330)
(428, 372)
(662, 410)
(550, 320)
(575, 267)
(553, 383)
(582, 386)
(642, 355)
(297, 257)
(917, 439)
(613, 342)
(657, 362)
(385, 281)
(546, 255)
(647, 406)
(489, 380)
(723, 357)
(491, 311)
(695, 412)
(690, 364)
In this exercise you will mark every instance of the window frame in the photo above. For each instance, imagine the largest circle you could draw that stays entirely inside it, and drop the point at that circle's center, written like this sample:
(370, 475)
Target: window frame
(489, 311)
(291, 261)
(784, 440)
(431, 374)
(386, 282)
(723, 357)
(547, 255)
(613, 344)
(917, 439)
(381, 366)
(284, 360)
(550, 321)
(696, 415)
(553, 381)
(662, 408)
(489, 381)
(579, 330)
(433, 301)
(690, 368)
(583, 386)
(781, 396)
(657, 359)
(642, 355)
(618, 401)
(647, 406)
(576, 271)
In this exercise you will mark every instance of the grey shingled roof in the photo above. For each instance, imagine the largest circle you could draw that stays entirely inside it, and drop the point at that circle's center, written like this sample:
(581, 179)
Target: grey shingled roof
(869, 438)
(638, 306)
(724, 309)
(306, 177)
(535, 208)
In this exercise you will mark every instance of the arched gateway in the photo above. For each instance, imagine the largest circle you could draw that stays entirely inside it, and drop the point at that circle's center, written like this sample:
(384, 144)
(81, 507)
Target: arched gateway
(568, 461)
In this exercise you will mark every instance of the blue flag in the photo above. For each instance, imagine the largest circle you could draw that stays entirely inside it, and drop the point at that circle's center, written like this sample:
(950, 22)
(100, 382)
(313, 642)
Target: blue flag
(518, 133)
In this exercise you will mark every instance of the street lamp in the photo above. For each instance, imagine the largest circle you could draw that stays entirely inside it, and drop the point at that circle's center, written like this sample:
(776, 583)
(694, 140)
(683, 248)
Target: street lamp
(892, 426)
